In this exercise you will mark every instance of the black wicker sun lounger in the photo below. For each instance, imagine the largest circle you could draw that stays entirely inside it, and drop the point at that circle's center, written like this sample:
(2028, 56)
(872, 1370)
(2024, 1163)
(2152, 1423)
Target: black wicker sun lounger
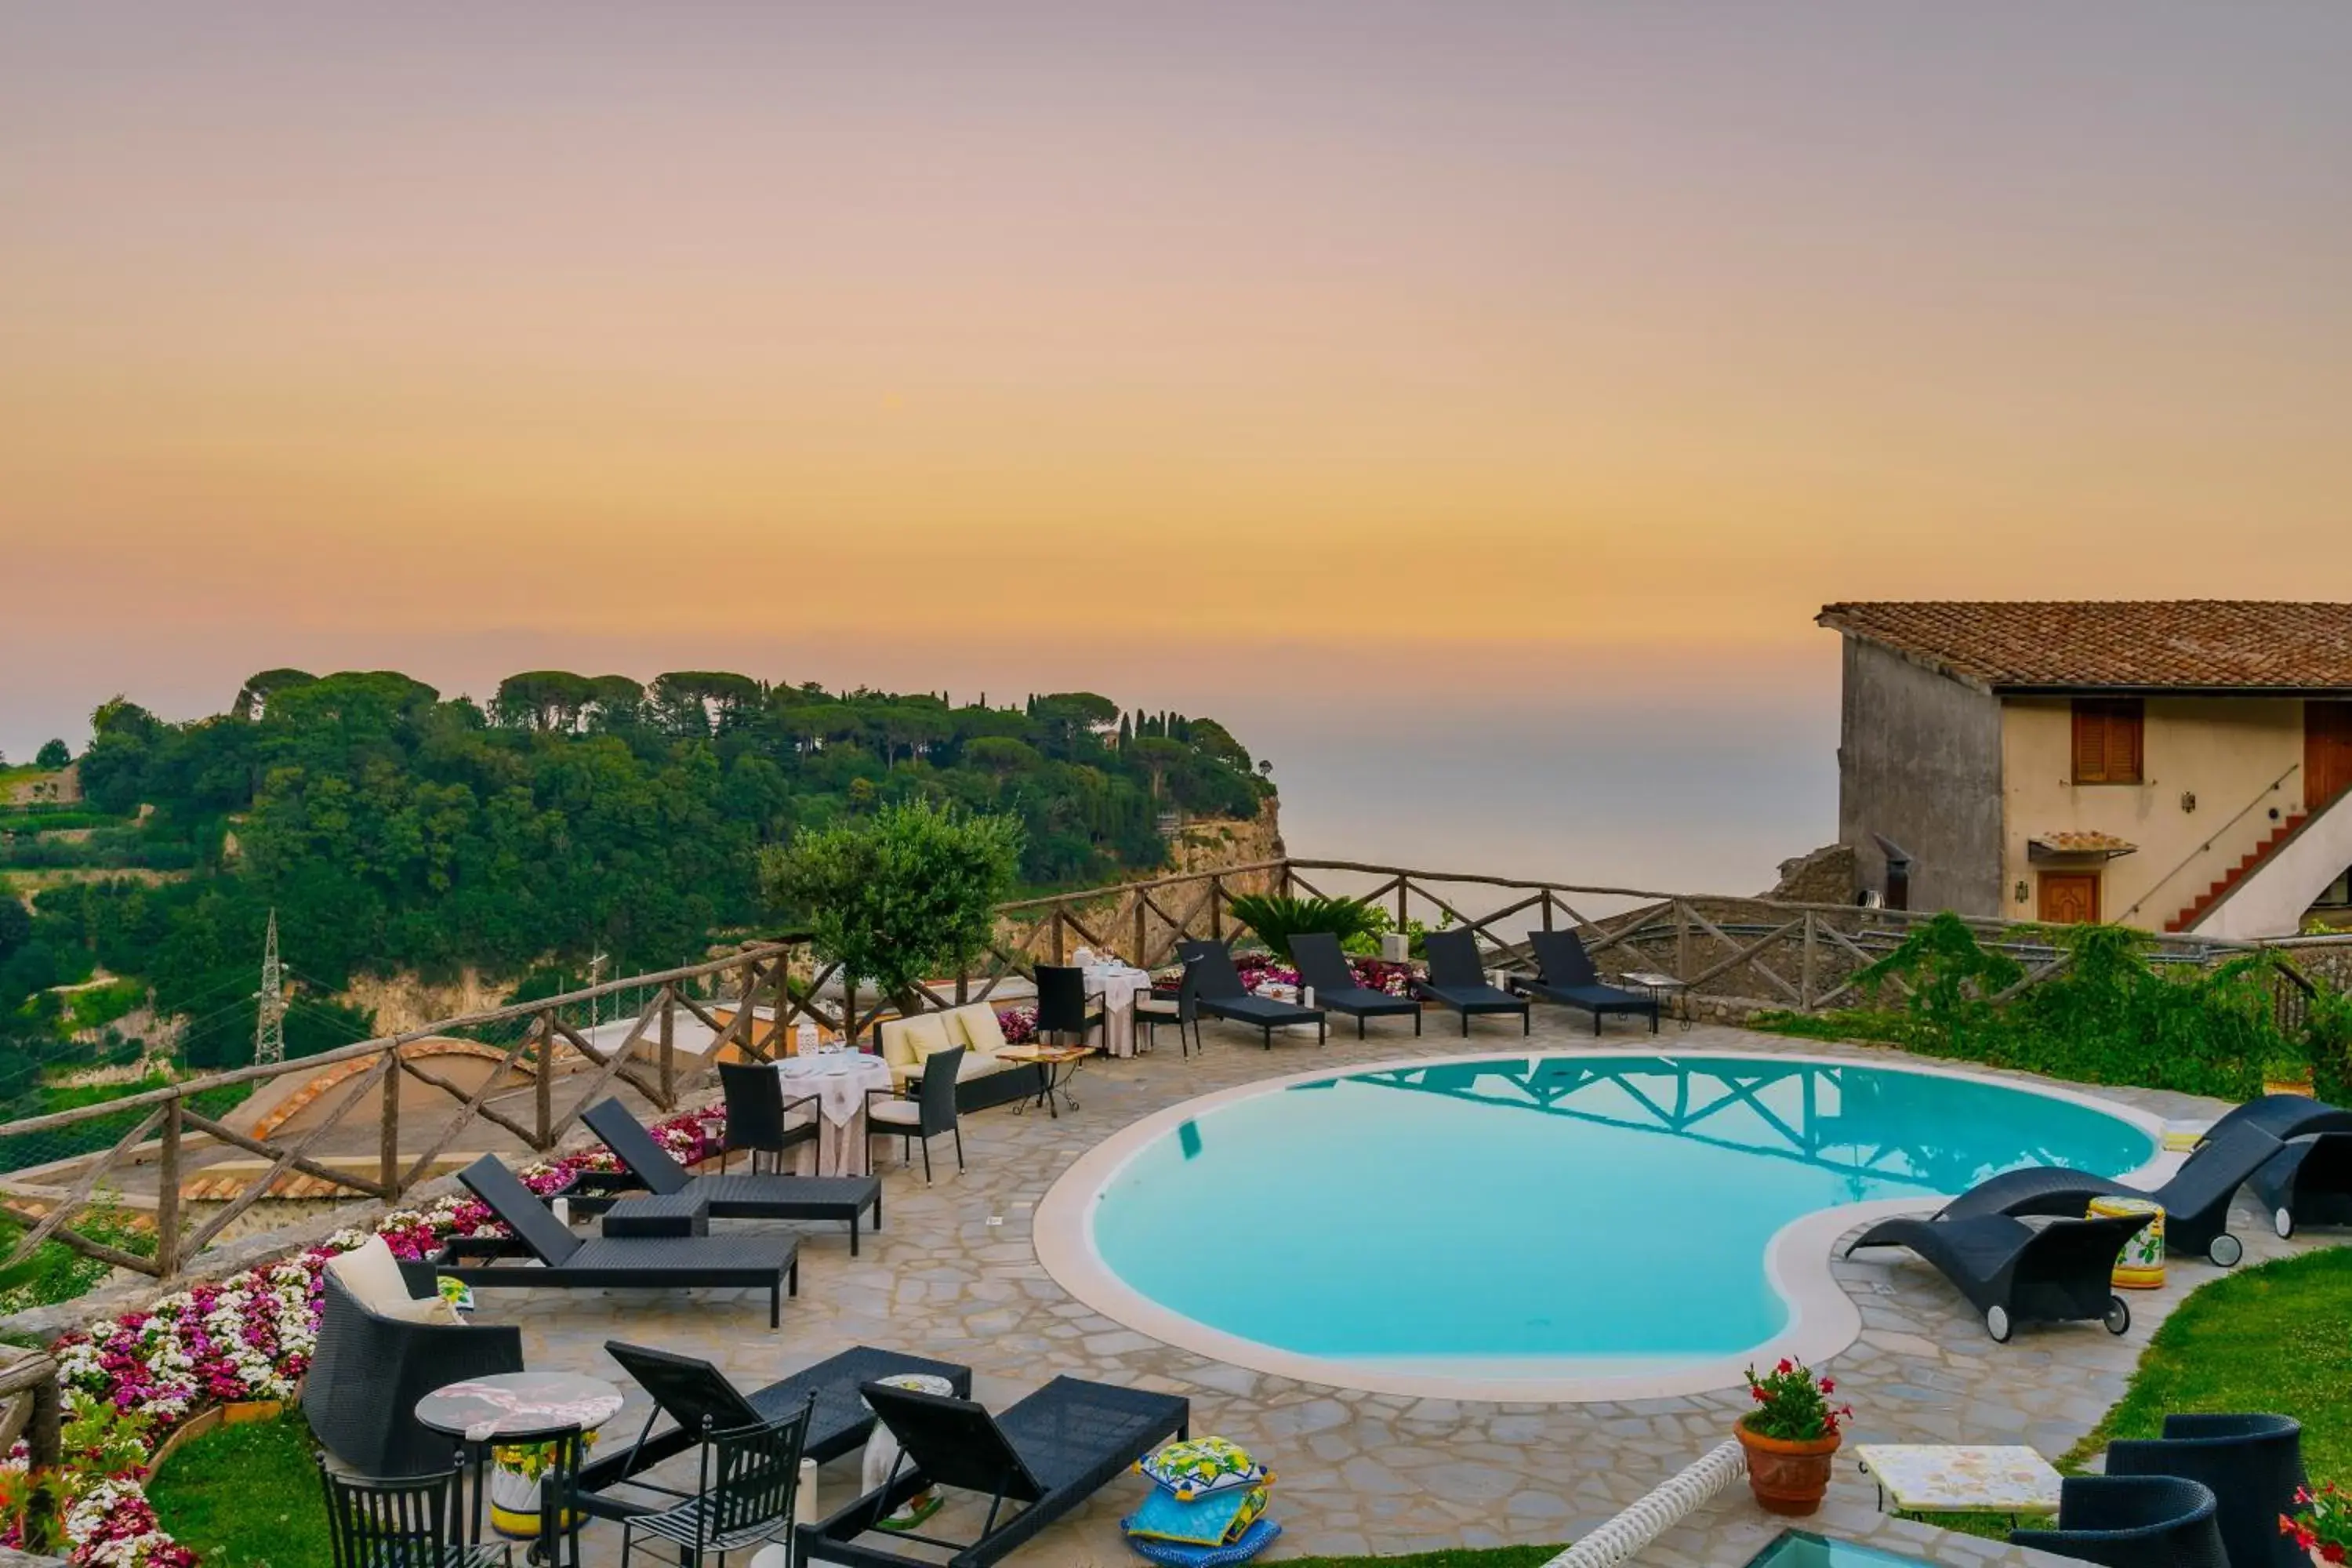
(753, 1195)
(2016, 1274)
(1323, 966)
(2283, 1116)
(1457, 980)
(1564, 975)
(1048, 1454)
(1212, 985)
(565, 1262)
(2309, 1182)
(2196, 1200)
(697, 1397)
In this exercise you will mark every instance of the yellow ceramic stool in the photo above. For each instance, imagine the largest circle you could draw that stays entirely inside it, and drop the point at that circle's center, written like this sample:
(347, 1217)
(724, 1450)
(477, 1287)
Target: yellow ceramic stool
(2140, 1265)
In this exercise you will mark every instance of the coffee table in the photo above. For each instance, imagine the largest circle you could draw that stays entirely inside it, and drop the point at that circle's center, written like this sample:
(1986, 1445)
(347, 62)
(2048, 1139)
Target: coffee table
(1945, 1478)
(1057, 1065)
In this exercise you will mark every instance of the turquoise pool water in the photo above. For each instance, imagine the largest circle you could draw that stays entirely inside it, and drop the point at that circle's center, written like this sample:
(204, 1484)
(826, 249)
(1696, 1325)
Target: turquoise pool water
(1800, 1549)
(1575, 1205)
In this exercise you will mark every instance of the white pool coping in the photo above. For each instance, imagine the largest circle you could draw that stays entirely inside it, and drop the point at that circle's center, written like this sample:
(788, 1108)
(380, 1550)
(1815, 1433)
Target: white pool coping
(1823, 1318)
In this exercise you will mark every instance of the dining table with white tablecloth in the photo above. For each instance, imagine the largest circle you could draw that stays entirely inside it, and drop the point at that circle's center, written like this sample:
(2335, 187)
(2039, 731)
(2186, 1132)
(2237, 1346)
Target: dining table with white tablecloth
(1118, 985)
(839, 1081)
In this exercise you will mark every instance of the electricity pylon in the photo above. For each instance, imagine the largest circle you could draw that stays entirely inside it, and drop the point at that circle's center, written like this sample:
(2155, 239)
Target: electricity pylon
(269, 1022)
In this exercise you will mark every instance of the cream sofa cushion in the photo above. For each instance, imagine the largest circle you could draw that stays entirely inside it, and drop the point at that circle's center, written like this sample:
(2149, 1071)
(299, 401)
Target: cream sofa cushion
(373, 1276)
(926, 1033)
(976, 1026)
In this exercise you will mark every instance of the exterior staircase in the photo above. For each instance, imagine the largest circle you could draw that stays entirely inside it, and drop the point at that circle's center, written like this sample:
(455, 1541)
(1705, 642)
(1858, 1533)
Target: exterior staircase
(2188, 917)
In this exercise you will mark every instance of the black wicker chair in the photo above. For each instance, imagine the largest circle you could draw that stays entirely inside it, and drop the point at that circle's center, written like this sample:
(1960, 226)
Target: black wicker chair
(1565, 975)
(410, 1522)
(1063, 1004)
(924, 1115)
(368, 1372)
(1457, 980)
(2253, 1465)
(2196, 1200)
(2132, 1521)
(1049, 1453)
(646, 1164)
(1324, 966)
(2015, 1274)
(565, 1262)
(758, 1119)
(1212, 985)
(2308, 1183)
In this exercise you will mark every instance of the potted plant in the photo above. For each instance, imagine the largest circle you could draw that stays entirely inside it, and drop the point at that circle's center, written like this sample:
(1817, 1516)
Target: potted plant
(516, 1469)
(2321, 1524)
(1790, 1437)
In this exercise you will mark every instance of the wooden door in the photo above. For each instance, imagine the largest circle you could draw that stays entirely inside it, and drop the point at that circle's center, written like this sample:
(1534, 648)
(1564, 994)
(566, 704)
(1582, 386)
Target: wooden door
(2327, 751)
(2069, 898)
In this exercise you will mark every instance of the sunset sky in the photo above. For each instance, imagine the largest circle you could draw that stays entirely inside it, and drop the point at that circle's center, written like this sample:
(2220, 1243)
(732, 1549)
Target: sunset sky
(1357, 353)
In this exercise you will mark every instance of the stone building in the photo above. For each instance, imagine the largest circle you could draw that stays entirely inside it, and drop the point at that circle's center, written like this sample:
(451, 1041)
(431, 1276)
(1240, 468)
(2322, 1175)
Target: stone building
(2177, 765)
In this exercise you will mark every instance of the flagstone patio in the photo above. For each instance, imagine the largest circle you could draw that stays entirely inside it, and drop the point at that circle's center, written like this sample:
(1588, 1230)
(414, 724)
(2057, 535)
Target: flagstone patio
(955, 1274)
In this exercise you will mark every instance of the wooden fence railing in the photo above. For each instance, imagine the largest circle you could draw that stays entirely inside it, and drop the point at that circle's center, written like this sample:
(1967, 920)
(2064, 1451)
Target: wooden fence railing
(1751, 950)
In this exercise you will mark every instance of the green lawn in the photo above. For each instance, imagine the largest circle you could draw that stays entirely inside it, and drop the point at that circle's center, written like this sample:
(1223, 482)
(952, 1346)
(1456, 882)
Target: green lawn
(246, 1496)
(2277, 1339)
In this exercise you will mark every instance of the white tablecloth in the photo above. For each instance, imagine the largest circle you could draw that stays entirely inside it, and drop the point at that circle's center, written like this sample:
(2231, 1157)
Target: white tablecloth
(1119, 985)
(840, 1149)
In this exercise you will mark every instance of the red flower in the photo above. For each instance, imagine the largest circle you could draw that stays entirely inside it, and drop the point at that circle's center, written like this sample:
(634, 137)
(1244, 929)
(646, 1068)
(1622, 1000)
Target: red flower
(1829, 1385)
(2332, 1552)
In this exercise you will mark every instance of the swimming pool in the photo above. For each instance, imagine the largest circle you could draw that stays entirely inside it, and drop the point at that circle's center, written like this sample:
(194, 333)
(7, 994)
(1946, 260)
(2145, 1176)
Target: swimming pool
(1555, 1216)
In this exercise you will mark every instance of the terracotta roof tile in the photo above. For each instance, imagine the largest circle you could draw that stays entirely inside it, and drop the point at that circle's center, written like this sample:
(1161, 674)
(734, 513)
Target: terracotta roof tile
(2228, 645)
(2070, 843)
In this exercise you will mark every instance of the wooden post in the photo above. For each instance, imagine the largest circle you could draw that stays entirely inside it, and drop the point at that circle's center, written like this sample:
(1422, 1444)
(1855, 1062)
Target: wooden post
(1061, 936)
(751, 1005)
(1141, 938)
(1285, 878)
(1216, 908)
(387, 1145)
(1681, 940)
(1805, 975)
(777, 1045)
(848, 1011)
(1401, 916)
(1547, 908)
(669, 1046)
(167, 1197)
(543, 1088)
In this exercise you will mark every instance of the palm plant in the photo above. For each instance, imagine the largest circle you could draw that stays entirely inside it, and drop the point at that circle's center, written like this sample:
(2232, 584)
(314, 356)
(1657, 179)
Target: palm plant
(1276, 919)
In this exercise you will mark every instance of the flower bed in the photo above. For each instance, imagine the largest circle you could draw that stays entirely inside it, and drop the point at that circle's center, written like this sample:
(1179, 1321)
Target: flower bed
(1259, 970)
(129, 1381)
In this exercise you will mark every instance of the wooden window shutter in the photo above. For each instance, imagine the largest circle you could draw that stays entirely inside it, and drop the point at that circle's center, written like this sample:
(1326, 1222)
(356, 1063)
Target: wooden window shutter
(2090, 743)
(2123, 742)
(2108, 743)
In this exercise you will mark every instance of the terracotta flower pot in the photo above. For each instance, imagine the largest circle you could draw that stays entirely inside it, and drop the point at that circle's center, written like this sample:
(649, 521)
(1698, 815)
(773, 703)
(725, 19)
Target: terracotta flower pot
(1787, 1477)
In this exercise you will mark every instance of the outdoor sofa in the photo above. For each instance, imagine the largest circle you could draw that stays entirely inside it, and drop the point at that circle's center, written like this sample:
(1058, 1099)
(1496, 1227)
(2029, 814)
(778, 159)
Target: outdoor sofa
(1457, 980)
(2013, 1273)
(565, 1262)
(1045, 1456)
(673, 1191)
(984, 1078)
(1322, 966)
(1213, 985)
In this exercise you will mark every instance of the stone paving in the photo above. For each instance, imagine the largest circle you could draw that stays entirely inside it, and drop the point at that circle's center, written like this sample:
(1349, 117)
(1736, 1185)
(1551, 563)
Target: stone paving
(955, 1276)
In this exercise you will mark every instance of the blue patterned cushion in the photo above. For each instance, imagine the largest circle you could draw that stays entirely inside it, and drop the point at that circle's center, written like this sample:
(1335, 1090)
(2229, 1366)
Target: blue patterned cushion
(1253, 1540)
(1213, 1520)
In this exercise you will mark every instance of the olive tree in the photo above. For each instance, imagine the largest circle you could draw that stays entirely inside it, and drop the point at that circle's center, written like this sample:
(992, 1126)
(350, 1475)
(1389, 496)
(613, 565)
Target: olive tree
(896, 897)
